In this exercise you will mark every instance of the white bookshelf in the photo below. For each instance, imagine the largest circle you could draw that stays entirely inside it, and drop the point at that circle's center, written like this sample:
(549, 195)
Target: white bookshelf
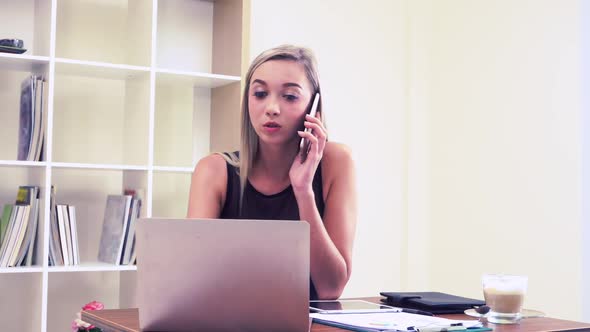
(22, 163)
(21, 62)
(139, 90)
(95, 69)
(92, 266)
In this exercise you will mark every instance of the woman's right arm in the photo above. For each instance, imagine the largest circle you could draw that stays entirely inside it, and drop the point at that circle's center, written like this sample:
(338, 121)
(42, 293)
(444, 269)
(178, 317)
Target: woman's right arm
(208, 188)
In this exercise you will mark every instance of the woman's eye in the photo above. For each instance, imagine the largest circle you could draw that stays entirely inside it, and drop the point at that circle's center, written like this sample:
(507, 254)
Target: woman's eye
(260, 94)
(290, 97)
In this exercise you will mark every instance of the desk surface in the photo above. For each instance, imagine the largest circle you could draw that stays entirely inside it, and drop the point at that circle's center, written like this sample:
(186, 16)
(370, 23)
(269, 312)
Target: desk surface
(127, 320)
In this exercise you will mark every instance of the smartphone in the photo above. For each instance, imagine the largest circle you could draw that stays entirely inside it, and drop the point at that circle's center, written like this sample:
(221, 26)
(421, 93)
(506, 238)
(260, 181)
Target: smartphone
(349, 307)
(304, 144)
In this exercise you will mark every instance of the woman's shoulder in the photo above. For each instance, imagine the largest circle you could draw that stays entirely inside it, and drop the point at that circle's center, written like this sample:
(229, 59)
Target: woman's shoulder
(211, 168)
(211, 172)
(336, 153)
(211, 163)
(337, 166)
(208, 184)
(336, 161)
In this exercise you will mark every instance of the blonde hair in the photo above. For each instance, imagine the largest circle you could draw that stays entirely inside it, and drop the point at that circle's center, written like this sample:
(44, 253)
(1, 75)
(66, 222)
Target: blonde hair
(249, 138)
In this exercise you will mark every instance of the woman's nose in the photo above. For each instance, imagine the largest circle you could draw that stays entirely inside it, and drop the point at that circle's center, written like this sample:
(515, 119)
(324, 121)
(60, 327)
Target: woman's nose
(272, 108)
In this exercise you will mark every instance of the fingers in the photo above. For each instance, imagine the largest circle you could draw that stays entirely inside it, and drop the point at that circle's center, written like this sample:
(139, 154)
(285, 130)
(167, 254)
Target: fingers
(316, 125)
(311, 147)
(318, 131)
(315, 119)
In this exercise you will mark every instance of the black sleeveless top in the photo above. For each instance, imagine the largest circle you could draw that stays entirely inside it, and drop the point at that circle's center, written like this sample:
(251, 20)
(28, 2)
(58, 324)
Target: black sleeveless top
(256, 205)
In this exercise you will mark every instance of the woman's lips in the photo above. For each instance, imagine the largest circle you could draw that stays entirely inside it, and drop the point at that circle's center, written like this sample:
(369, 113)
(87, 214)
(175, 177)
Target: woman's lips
(271, 127)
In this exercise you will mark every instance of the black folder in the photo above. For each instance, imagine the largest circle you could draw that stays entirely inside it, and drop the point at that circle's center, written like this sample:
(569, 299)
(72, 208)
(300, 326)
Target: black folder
(434, 302)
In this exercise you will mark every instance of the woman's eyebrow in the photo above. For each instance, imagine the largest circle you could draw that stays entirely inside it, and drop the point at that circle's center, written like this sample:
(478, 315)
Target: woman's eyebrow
(285, 85)
(292, 84)
(258, 81)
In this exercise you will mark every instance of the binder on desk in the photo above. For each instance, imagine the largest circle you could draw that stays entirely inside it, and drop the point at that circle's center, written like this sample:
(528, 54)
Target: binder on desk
(434, 302)
(395, 321)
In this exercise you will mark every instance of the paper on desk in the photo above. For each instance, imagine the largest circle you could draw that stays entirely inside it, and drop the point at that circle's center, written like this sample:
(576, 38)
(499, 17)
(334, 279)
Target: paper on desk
(391, 321)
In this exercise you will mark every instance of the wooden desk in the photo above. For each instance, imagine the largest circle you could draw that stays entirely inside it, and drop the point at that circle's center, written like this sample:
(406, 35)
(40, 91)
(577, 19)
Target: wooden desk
(127, 320)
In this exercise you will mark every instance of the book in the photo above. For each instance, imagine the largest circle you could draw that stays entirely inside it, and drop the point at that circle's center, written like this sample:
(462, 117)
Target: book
(7, 237)
(51, 254)
(114, 227)
(37, 138)
(32, 118)
(25, 132)
(28, 195)
(16, 235)
(70, 250)
(128, 245)
(137, 194)
(63, 236)
(35, 118)
(55, 251)
(6, 212)
(33, 242)
(18, 244)
(74, 231)
(40, 143)
(44, 92)
(133, 259)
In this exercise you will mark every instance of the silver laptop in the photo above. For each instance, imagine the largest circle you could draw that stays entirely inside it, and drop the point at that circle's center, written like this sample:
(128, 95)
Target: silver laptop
(222, 275)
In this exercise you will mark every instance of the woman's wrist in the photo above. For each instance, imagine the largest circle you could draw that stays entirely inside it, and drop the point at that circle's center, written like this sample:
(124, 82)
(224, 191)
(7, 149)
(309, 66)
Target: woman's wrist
(307, 206)
(304, 193)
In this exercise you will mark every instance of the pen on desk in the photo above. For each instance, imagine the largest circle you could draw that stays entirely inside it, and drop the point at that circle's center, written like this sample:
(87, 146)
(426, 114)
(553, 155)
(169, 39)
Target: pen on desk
(453, 327)
(417, 312)
(439, 329)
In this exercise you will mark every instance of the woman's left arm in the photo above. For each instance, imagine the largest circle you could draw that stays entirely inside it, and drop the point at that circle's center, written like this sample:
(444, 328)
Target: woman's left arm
(331, 238)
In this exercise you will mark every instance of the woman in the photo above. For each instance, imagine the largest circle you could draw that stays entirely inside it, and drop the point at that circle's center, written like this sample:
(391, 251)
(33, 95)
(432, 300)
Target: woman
(270, 179)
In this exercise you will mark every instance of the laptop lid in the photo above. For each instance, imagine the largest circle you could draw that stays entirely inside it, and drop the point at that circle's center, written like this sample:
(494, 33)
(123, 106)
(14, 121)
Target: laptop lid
(222, 275)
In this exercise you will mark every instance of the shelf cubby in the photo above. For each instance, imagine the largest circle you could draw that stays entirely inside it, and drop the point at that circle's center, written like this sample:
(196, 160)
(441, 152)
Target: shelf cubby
(69, 292)
(101, 120)
(170, 197)
(14, 176)
(28, 20)
(114, 31)
(187, 25)
(10, 94)
(21, 301)
(87, 190)
(181, 130)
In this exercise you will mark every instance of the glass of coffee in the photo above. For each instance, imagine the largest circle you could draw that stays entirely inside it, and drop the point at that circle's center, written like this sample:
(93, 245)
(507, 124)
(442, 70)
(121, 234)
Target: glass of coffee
(504, 295)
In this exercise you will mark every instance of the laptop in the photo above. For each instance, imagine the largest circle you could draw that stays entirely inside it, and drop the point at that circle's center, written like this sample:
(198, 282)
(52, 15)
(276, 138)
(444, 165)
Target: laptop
(222, 275)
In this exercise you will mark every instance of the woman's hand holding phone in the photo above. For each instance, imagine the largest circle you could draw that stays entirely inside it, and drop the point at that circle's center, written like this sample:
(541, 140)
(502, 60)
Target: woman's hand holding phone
(304, 144)
(311, 149)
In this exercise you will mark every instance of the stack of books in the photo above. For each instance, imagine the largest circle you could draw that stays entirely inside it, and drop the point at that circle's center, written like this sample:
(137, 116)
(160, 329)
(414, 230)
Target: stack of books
(31, 135)
(117, 241)
(63, 242)
(18, 229)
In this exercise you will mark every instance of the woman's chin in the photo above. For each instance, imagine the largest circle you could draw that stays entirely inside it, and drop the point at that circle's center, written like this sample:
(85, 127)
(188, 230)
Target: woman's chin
(278, 141)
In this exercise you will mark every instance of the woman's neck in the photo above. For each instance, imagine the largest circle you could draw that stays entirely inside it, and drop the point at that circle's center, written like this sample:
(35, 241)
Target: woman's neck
(274, 161)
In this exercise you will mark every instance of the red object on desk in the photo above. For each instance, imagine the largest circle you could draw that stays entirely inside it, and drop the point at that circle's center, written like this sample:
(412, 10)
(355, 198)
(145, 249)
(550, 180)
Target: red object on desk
(127, 320)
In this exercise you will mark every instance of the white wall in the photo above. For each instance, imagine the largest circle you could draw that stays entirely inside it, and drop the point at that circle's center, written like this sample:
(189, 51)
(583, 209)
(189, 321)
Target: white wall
(585, 28)
(504, 160)
(359, 46)
(470, 150)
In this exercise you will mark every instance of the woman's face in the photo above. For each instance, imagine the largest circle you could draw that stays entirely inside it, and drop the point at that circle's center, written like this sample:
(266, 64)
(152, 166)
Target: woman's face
(277, 101)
